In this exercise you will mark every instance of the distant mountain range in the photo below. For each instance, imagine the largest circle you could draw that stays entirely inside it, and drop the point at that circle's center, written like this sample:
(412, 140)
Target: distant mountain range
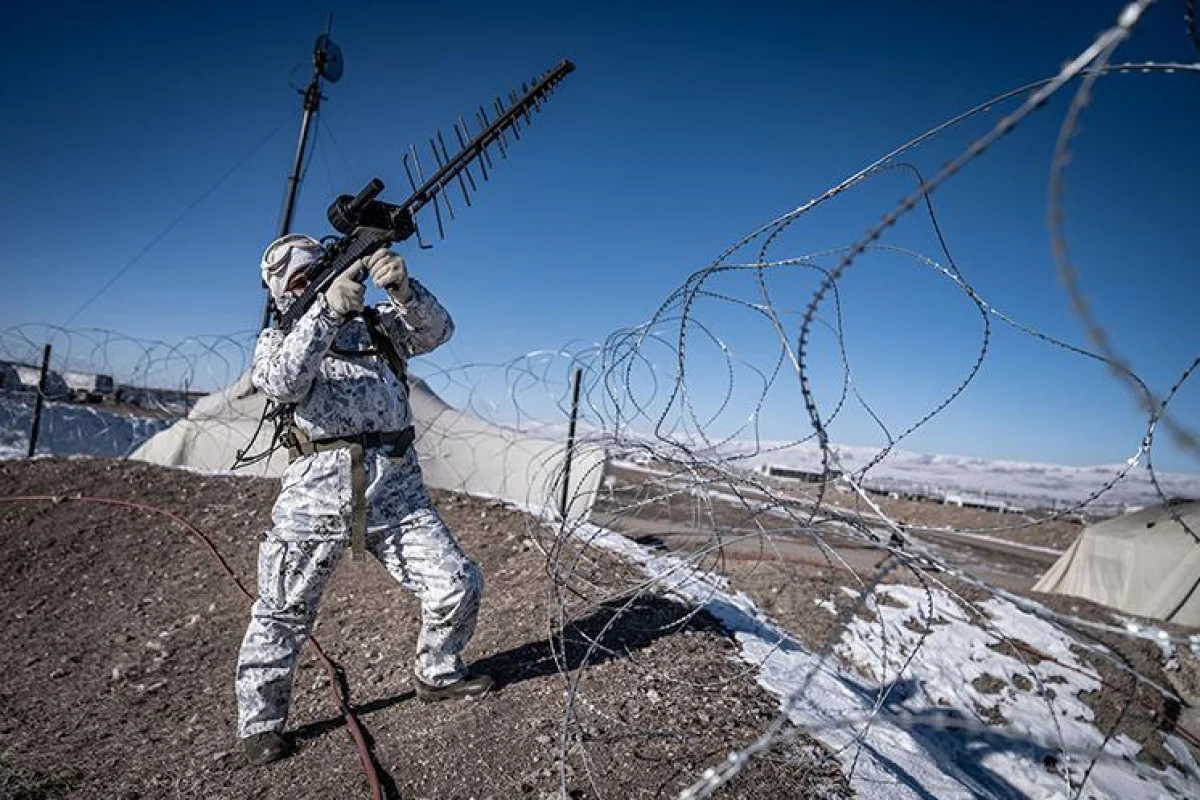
(69, 430)
(1023, 483)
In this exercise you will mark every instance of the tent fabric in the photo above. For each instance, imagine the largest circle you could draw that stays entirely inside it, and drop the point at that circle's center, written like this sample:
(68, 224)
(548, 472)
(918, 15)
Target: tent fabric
(1144, 563)
(458, 451)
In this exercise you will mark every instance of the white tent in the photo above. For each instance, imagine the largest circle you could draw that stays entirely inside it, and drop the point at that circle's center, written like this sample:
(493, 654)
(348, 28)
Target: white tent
(1144, 563)
(458, 451)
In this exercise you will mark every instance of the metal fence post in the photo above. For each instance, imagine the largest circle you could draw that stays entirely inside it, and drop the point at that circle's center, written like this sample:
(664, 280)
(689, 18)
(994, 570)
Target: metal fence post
(37, 402)
(566, 484)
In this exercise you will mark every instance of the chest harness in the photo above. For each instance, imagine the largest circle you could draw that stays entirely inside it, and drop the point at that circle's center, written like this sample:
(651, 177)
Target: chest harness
(397, 442)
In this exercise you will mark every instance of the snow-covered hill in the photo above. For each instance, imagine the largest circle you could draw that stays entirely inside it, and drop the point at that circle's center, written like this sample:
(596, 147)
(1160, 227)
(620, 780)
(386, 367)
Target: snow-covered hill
(1022, 483)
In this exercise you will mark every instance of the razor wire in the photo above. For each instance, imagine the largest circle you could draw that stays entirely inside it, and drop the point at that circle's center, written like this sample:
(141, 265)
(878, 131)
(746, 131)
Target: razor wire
(678, 402)
(677, 406)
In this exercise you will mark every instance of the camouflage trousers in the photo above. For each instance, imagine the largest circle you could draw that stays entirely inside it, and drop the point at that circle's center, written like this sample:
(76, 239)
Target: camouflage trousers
(312, 518)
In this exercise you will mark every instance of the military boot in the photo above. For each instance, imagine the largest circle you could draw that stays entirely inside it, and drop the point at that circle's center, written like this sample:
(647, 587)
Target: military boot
(464, 687)
(263, 748)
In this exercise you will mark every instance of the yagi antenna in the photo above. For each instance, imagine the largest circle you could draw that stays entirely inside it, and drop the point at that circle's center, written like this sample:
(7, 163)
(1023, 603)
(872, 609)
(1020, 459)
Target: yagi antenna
(368, 224)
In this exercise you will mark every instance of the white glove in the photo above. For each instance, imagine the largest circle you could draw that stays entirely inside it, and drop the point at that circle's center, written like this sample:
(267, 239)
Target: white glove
(390, 273)
(345, 294)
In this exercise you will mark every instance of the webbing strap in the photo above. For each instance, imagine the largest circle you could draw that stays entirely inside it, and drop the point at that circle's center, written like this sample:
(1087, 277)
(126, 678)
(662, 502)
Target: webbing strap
(302, 445)
(299, 444)
(399, 442)
(358, 502)
(384, 344)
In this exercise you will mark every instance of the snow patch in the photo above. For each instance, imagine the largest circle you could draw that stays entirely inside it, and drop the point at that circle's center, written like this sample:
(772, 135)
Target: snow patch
(67, 429)
(919, 721)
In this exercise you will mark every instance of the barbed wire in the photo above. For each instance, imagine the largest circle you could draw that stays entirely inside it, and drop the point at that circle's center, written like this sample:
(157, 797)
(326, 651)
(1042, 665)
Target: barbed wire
(835, 589)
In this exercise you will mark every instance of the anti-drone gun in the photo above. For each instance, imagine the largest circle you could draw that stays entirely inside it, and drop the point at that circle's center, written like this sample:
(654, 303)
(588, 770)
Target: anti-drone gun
(368, 224)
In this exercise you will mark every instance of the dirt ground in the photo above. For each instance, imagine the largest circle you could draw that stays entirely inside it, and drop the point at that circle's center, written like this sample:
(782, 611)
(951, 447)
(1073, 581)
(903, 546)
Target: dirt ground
(784, 527)
(1038, 528)
(121, 633)
(788, 577)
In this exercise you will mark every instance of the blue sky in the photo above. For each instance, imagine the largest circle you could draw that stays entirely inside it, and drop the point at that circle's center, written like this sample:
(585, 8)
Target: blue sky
(685, 127)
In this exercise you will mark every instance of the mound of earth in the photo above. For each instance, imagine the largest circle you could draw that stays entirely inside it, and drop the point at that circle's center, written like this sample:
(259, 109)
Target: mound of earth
(122, 629)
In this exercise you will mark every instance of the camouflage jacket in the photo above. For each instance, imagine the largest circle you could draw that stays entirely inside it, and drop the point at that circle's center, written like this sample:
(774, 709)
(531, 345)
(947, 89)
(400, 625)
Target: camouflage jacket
(320, 367)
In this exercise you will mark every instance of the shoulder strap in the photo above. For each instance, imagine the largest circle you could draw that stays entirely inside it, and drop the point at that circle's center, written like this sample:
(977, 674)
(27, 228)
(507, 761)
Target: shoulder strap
(384, 344)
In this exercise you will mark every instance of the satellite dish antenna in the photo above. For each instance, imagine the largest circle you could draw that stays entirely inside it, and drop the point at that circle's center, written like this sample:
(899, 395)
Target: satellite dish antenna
(327, 58)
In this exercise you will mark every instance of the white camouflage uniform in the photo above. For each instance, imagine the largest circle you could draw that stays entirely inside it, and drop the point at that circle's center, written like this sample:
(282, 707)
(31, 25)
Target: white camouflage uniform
(341, 395)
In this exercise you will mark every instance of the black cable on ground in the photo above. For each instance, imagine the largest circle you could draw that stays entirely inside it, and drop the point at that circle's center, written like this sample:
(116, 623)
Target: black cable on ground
(337, 681)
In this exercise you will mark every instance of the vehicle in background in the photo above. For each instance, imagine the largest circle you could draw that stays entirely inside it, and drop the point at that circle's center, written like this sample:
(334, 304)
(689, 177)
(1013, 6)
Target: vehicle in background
(89, 387)
(165, 401)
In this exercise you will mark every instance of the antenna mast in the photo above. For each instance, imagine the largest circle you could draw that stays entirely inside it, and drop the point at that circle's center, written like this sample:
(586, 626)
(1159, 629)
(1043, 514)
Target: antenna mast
(327, 64)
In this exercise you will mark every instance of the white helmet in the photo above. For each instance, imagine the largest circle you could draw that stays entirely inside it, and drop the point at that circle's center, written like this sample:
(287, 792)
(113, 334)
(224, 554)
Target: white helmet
(286, 256)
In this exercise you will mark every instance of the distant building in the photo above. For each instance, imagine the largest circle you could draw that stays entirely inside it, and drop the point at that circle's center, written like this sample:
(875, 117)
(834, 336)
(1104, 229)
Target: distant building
(28, 377)
(982, 503)
(24, 379)
(797, 474)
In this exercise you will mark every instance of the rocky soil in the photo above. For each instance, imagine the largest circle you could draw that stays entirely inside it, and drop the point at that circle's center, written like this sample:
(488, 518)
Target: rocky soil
(121, 629)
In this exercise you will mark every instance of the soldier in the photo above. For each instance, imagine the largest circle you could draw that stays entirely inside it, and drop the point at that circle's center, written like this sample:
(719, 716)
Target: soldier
(353, 478)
